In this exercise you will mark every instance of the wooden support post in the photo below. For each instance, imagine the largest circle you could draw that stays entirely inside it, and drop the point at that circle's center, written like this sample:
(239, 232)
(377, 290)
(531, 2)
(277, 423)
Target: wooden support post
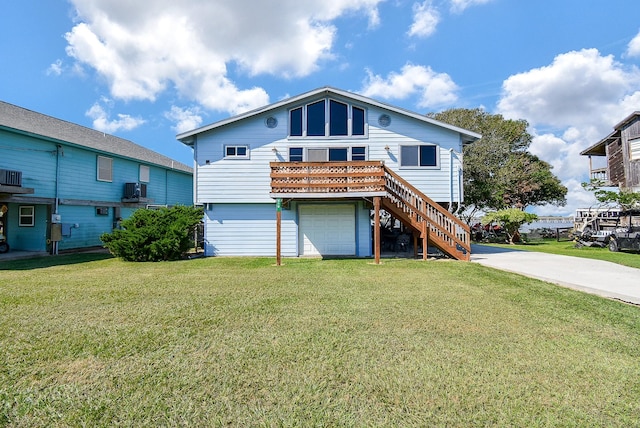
(425, 239)
(278, 231)
(376, 230)
(415, 245)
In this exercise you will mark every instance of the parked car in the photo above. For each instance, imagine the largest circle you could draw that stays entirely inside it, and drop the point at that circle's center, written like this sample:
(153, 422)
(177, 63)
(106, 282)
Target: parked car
(625, 239)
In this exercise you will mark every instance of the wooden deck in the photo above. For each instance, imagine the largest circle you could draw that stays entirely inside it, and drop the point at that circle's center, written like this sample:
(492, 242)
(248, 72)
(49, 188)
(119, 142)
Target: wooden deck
(426, 218)
(296, 179)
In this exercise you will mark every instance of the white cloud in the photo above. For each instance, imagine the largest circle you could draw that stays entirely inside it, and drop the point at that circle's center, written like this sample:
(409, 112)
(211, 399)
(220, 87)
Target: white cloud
(580, 96)
(458, 6)
(575, 89)
(144, 48)
(633, 49)
(425, 19)
(433, 89)
(185, 119)
(102, 123)
(55, 68)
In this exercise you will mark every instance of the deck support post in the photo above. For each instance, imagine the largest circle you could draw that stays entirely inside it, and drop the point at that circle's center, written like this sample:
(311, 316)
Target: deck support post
(278, 232)
(425, 239)
(376, 229)
(415, 245)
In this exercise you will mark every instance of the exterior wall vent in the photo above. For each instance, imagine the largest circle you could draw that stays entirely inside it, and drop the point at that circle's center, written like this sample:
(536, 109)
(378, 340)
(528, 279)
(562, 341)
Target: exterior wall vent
(10, 178)
(135, 190)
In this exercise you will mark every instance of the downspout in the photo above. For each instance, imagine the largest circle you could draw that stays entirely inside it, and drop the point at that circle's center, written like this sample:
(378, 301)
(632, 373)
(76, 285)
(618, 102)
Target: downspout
(459, 178)
(58, 150)
(450, 179)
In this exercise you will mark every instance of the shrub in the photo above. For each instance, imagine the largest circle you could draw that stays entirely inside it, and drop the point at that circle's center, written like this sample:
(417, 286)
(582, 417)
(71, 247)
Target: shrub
(154, 235)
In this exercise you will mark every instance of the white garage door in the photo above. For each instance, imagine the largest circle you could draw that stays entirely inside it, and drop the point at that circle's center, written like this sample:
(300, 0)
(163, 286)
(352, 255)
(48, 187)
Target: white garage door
(327, 230)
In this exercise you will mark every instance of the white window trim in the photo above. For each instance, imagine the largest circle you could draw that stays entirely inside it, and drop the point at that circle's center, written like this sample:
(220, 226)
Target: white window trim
(327, 118)
(22, 216)
(104, 159)
(144, 173)
(438, 156)
(305, 151)
(246, 146)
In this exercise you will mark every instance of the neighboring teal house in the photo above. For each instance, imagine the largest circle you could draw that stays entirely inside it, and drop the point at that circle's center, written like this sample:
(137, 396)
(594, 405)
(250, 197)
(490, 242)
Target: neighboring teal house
(62, 185)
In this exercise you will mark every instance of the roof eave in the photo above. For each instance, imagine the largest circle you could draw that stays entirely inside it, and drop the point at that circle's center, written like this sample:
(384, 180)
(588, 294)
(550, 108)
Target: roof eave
(186, 137)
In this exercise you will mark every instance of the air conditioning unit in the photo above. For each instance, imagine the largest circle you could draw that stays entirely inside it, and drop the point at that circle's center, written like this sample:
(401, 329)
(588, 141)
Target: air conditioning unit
(10, 178)
(135, 190)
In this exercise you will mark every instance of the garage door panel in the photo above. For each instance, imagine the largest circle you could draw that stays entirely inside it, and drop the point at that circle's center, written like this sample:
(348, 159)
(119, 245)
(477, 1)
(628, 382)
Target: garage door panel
(327, 230)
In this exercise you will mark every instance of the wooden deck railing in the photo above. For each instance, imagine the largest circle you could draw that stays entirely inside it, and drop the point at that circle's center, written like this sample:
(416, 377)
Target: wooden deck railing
(404, 201)
(327, 177)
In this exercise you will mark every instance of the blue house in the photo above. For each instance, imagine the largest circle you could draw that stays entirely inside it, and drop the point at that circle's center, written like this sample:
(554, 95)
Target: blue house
(62, 185)
(311, 175)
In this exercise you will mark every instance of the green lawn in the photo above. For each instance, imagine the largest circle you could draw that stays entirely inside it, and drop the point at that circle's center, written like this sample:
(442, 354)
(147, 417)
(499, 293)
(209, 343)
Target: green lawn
(88, 340)
(568, 248)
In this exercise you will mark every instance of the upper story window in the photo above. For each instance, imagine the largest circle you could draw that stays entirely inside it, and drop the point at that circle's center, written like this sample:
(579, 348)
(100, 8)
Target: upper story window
(105, 168)
(145, 173)
(327, 118)
(420, 156)
(327, 154)
(236, 152)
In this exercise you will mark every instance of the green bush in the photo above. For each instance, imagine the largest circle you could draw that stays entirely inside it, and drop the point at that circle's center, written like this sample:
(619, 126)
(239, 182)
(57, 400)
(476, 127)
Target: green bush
(154, 235)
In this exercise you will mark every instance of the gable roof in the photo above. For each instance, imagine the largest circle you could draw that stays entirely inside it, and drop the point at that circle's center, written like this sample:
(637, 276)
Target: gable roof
(187, 137)
(30, 122)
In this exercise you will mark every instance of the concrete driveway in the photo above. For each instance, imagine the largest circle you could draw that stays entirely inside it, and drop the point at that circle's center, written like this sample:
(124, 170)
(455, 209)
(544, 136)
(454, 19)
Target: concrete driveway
(592, 276)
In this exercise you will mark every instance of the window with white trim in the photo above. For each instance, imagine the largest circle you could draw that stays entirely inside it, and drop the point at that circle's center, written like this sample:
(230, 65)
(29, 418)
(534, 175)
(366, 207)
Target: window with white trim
(145, 173)
(327, 118)
(236, 152)
(27, 216)
(327, 154)
(105, 168)
(420, 156)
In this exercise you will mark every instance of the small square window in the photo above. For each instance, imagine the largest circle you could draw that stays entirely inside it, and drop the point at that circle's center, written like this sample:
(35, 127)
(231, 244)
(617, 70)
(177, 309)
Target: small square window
(295, 154)
(419, 156)
(358, 153)
(144, 173)
(105, 169)
(236, 152)
(27, 216)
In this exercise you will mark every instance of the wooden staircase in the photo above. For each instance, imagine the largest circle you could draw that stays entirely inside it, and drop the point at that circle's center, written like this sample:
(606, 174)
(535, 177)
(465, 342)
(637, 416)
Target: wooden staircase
(425, 217)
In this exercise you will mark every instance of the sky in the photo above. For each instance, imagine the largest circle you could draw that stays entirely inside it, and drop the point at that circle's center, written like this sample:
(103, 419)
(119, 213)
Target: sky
(146, 71)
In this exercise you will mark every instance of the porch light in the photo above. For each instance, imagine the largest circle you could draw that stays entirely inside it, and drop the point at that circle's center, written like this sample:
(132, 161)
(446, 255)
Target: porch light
(386, 148)
(274, 150)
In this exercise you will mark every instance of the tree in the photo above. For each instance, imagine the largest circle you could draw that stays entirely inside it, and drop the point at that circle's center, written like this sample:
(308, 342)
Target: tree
(154, 235)
(510, 219)
(499, 172)
(625, 199)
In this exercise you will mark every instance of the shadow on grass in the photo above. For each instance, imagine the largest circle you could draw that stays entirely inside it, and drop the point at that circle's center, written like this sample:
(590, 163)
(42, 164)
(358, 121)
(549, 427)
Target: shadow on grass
(48, 261)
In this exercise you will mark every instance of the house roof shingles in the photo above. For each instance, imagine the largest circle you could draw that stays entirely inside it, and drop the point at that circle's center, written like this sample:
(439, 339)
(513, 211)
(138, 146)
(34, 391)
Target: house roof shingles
(30, 122)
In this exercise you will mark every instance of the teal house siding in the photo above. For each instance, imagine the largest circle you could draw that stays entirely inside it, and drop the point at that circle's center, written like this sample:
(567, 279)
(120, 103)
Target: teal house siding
(58, 163)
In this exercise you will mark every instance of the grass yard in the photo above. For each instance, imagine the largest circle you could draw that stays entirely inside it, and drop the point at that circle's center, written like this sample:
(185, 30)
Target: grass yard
(568, 248)
(88, 340)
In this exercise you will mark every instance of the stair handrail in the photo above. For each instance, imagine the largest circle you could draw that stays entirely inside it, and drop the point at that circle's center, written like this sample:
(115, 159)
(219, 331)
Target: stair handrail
(420, 207)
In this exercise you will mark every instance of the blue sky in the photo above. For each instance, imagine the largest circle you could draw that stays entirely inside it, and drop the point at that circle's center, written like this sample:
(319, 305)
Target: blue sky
(146, 71)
